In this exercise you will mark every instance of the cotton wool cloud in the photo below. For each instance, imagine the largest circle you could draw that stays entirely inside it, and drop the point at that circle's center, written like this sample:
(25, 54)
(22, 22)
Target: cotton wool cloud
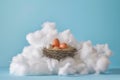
(32, 61)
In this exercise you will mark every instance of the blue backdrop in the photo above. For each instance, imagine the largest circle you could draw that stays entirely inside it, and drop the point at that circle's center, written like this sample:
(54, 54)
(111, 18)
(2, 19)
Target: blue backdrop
(95, 20)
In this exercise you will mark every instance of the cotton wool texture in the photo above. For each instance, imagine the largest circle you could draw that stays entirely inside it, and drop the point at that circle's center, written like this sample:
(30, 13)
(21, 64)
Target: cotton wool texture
(32, 61)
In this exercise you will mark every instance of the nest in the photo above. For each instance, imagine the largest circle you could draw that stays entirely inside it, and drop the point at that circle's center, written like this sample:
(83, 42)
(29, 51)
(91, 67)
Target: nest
(59, 53)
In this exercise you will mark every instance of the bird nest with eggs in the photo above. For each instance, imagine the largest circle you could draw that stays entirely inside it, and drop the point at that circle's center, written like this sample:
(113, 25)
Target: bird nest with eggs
(59, 50)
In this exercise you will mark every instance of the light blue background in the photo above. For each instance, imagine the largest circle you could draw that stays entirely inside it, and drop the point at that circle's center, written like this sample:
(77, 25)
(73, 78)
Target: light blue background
(95, 20)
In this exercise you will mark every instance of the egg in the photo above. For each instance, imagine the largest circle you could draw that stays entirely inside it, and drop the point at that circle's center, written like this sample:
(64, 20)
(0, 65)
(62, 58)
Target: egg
(56, 42)
(63, 45)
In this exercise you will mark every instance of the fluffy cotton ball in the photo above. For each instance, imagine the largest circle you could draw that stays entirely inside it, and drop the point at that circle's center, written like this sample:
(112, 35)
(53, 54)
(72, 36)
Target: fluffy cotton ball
(53, 65)
(48, 26)
(66, 69)
(38, 67)
(68, 66)
(82, 69)
(103, 50)
(102, 64)
(67, 37)
(86, 50)
(44, 37)
(31, 53)
(31, 61)
(67, 60)
(18, 69)
(19, 66)
(93, 57)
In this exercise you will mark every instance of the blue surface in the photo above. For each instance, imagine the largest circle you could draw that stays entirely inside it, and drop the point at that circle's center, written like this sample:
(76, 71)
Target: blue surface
(111, 74)
(96, 20)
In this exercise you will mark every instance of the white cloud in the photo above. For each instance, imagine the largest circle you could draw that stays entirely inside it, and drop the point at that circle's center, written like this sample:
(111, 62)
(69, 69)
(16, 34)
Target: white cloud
(89, 58)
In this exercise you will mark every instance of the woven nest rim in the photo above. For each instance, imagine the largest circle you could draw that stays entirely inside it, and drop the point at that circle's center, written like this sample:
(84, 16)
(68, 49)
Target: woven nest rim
(59, 53)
